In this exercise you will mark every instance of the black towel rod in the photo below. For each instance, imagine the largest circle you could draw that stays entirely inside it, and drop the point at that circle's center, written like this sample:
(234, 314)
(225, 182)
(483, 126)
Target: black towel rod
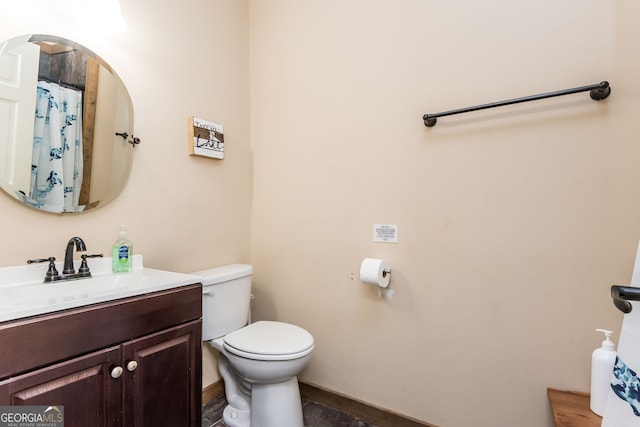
(598, 91)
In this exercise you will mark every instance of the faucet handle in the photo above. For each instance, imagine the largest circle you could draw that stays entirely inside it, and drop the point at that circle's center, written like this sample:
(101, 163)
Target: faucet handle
(84, 267)
(52, 272)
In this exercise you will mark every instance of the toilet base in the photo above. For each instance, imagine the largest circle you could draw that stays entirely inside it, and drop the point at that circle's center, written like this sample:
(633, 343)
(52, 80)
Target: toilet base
(276, 405)
(237, 413)
(236, 418)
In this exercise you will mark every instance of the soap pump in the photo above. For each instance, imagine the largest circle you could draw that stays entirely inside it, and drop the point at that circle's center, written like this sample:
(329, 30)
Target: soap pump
(602, 360)
(121, 252)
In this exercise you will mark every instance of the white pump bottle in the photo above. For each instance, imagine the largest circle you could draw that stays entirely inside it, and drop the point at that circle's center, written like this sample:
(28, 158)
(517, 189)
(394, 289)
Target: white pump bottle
(602, 361)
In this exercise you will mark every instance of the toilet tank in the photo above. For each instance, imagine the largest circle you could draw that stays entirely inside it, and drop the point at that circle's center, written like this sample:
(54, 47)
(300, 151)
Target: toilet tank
(226, 295)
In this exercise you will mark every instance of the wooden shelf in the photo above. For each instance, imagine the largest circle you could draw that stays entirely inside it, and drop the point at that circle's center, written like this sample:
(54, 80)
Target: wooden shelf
(571, 409)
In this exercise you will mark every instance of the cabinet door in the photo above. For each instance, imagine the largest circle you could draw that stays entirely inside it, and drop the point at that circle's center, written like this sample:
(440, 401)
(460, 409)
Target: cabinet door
(83, 385)
(163, 385)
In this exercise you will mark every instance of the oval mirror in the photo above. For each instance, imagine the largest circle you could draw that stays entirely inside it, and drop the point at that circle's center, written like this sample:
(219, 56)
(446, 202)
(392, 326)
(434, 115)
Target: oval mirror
(66, 125)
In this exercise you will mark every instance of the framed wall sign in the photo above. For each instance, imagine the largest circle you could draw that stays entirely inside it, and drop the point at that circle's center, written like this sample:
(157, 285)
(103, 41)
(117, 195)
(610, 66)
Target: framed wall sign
(206, 138)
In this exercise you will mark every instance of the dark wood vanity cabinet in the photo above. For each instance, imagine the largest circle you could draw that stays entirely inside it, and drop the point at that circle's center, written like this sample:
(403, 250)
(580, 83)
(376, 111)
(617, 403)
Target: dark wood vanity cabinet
(82, 385)
(130, 362)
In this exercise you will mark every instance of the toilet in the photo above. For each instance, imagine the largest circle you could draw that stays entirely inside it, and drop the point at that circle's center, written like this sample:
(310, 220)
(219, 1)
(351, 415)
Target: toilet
(259, 361)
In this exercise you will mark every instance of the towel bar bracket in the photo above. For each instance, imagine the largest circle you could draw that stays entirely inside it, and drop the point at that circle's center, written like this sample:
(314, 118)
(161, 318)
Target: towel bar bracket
(601, 92)
(621, 296)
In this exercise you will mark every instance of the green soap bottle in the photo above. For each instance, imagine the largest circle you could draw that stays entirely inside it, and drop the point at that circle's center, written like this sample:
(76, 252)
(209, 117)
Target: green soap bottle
(121, 253)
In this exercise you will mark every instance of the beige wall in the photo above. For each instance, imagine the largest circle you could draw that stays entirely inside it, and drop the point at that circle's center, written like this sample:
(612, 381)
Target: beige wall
(513, 222)
(183, 213)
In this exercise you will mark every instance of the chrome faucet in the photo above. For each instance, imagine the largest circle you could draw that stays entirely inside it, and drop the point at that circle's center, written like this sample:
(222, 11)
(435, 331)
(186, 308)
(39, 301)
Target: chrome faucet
(68, 255)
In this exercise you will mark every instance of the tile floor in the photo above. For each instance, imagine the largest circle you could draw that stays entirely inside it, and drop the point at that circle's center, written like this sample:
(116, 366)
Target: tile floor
(315, 415)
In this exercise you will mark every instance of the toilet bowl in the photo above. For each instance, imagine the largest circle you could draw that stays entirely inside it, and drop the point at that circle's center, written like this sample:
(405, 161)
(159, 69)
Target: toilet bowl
(260, 361)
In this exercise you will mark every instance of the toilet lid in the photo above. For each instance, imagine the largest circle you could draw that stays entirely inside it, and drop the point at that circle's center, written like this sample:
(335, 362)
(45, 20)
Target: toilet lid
(266, 338)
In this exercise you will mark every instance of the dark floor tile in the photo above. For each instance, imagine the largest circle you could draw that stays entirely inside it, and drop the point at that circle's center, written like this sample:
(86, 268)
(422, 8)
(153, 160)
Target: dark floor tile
(360, 423)
(217, 423)
(212, 413)
(314, 414)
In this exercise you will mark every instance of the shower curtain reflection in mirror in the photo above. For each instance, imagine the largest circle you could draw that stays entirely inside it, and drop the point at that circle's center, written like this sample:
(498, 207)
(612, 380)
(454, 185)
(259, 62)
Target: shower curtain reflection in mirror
(56, 169)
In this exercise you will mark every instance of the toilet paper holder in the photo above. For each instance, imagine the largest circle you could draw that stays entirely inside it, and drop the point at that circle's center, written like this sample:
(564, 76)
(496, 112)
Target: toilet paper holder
(385, 292)
(377, 272)
(621, 296)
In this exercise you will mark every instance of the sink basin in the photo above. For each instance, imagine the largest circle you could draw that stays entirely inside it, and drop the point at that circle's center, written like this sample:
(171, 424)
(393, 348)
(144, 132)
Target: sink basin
(23, 293)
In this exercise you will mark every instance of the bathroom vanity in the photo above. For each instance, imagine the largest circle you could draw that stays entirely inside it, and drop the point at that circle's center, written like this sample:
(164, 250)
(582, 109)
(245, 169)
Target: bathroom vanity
(130, 361)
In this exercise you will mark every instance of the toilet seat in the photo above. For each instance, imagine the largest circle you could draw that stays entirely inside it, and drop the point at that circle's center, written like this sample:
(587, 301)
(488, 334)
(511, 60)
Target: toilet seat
(267, 340)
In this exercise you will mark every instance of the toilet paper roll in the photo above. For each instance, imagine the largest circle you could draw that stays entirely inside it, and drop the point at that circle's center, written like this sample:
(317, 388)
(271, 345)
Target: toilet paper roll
(375, 271)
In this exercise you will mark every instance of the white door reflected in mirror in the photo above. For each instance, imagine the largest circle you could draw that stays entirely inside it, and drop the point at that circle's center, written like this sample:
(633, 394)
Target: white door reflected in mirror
(74, 161)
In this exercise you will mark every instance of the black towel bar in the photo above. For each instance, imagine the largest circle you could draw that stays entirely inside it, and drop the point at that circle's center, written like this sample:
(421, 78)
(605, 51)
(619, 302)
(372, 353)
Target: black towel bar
(598, 91)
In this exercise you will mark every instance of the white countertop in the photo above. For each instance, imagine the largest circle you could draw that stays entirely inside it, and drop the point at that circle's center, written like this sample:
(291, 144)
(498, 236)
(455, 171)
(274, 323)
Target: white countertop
(23, 293)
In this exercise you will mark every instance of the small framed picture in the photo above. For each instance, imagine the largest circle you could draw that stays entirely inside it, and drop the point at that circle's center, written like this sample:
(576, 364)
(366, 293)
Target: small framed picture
(206, 138)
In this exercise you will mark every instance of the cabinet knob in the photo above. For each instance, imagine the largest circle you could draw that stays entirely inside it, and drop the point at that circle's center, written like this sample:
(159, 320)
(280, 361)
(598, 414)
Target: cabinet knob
(132, 365)
(116, 372)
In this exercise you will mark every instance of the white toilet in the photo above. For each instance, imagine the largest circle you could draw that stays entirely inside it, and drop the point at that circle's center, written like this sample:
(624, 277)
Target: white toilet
(259, 362)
